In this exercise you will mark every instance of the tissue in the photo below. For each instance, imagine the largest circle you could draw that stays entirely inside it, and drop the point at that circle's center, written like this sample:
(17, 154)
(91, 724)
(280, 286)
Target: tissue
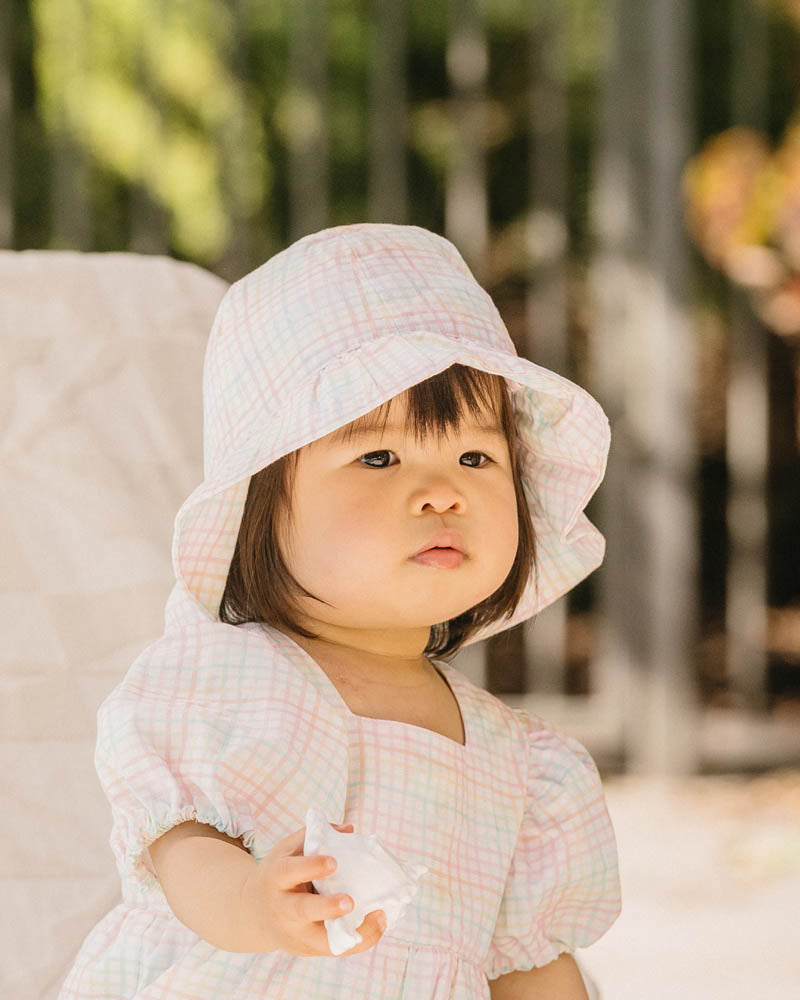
(366, 871)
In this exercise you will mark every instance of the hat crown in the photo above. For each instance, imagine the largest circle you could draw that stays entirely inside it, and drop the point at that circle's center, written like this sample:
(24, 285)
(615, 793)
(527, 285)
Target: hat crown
(327, 294)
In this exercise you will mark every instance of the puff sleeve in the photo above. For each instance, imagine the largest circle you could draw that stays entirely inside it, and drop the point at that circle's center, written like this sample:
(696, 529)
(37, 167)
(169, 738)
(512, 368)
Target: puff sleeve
(210, 725)
(562, 891)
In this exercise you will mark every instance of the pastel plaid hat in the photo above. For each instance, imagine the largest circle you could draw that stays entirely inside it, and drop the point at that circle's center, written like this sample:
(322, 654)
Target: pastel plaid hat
(327, 330)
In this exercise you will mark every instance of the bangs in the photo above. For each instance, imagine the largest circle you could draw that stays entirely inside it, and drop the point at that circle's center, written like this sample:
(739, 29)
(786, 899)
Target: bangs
(440, 405)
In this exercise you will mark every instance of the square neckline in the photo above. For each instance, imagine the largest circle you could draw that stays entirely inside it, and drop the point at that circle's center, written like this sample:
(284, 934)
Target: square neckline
(331, 687)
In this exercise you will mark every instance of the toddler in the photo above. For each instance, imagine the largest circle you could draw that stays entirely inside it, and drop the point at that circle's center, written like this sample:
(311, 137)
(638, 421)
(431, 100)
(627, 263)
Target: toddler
(385, 482)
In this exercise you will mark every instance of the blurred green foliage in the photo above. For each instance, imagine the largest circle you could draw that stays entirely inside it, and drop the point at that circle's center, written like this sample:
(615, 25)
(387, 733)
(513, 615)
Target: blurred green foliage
(190, 104)
(147, 90)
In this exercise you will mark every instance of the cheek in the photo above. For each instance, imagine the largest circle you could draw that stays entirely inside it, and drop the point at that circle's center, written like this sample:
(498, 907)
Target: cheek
(338, 537)
(507, 526)
(352, 515)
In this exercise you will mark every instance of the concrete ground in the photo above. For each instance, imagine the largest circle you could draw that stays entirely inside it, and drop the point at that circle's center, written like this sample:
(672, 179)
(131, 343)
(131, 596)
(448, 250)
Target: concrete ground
(710, 870)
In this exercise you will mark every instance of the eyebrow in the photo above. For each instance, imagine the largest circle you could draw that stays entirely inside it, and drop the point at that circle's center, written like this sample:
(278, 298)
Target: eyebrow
(366, 428)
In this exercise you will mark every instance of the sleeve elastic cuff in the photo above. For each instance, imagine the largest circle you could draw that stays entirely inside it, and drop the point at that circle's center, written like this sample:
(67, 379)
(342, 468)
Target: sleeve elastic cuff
(138, 871)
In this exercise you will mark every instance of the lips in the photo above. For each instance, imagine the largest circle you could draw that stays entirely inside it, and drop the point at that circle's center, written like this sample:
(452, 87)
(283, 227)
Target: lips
(440, 558)
(444, 540)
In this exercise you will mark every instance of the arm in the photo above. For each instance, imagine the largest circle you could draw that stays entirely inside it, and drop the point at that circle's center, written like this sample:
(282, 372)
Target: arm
(218, 890)
(559, 980)
(202, 872)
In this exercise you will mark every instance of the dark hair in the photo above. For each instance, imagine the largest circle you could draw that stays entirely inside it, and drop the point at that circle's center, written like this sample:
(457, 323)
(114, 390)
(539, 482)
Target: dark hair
(260, 587)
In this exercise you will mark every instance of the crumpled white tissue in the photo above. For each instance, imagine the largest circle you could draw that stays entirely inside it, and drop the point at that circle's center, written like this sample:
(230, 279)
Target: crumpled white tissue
(366, 871)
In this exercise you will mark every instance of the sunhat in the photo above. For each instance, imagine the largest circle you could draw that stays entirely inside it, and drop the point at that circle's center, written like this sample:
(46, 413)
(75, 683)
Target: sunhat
(328, 329)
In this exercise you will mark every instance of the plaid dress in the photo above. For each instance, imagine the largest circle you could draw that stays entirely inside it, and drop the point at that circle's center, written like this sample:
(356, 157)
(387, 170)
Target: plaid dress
(238, 727)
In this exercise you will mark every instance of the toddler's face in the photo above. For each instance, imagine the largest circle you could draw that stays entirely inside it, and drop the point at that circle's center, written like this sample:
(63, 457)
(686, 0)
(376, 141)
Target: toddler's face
(362, 510)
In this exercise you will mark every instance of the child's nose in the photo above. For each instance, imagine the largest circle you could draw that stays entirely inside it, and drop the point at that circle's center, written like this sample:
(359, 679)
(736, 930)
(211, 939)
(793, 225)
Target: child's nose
(440, 496)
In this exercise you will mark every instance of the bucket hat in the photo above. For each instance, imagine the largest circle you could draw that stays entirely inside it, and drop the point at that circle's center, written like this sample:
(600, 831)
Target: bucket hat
(337, 324)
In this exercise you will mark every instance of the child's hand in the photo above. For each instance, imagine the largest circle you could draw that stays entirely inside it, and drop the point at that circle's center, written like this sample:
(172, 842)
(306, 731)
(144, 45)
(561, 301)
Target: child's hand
(283, 909)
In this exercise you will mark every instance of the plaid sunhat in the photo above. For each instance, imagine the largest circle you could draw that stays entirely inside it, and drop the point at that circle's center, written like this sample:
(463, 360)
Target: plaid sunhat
(331, 327)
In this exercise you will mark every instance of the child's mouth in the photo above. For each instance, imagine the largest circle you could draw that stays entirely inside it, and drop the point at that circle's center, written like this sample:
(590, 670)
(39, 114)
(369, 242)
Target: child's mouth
(441, 558)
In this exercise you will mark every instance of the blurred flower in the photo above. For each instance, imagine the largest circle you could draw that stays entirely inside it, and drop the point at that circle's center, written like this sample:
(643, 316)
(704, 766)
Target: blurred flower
(743, 211)
(742, 205)
(729, 194)
(787, 181)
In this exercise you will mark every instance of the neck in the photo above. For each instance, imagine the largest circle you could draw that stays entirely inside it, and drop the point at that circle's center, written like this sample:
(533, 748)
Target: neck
(373, 653)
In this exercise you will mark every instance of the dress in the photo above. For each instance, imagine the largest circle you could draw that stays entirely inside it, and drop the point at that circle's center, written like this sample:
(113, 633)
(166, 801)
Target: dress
(239, 727)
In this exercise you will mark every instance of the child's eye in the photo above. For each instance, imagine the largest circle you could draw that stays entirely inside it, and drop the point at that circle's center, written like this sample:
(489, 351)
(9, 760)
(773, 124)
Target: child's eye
(373, 454)
(479, 453)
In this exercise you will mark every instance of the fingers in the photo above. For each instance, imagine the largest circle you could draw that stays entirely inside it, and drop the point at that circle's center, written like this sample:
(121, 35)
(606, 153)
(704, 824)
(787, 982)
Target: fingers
(285, 879)
(311, 911)
(293, 843)
(292, 871)
(293, 868)
(374, 925)
(314, 908)
(370, 931)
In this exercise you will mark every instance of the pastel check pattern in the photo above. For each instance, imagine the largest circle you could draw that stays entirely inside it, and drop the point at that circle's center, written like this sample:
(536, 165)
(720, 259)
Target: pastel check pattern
(237, 727)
